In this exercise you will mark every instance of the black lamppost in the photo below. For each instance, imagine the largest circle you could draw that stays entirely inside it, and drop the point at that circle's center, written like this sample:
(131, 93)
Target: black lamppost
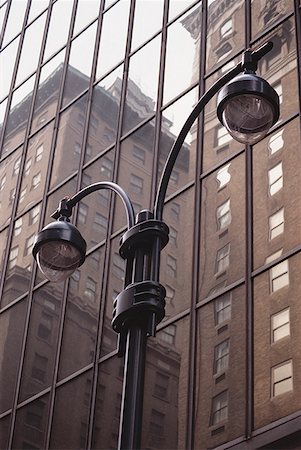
(247, 106)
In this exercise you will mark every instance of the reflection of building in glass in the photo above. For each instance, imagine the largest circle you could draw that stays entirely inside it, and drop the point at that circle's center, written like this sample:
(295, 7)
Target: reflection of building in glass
(86, 105)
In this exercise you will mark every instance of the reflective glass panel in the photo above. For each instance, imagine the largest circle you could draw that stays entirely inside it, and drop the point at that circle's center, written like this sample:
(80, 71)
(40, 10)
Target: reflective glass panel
(35, 169)
(173, 118)
(70, 135)
(276, 218)
(36, 7)
(142, 85)
(113, 37)
(15, 21)
(71, 408)
(176, 7)
(11, 335)
(265, 13)
(42, 340)
(9, 170)
(104, 114)
(48, 91)
(3, 244)
(31, 425)
(225, 31)
(164, 414)
(86, 11)
(7, 60)
(81, 316)
(80, 64)
(182, 54)
(18, 115)
(60, 19)
(30, 53)
(144, 29)
(220, 397)
(222, 248)
(267, 306)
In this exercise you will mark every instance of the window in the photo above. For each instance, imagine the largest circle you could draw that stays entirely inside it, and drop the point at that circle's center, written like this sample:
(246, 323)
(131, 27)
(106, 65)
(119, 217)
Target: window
(106, 167)
(226, 67)
(282, 378)
(39, 153)
(219, 412)
(86, 180)
(77, 149)
(278, 89)
(171, 266)
(12, 194)
(174, 177)
(223, 51)
(276, 142)
(222, 259)
(18, 226)
(34, 415)
(280, 325)
(173, 234)
(22, 194)
(90, 289)
(222, 136)
(29, 244)
(139, 154)
(100, 223)
(17, 167)
(223, 176)
(36, 180)
(45, 326)
(221, 357)
(157, 422)
(161, 385)
(279, 276)
(2, 182)
(168, 335)
(170, 294)
(227, 28)
(104, 197)
(39, 367)
(273, 256)
(175, 211)
(27, 167)
(82, 213)
(223, 215)
(12, 260)
(34, 214)
(276, 224)
(275, 179)
(118, 266)
(222, 307)
(136, 184)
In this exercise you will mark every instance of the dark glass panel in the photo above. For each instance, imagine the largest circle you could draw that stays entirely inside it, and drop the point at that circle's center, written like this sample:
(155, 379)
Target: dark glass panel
(36, 167)
(142, 85)
(104, 114)
(15, 21)
(30, 53)
(4, 432)
(144, 29)
(80, 64)
(60, 20)
(165, 397)
(48, 91)
(225, 30)
(173, 118)
(182, 54)
(279, 67)
(70, 136)
(18, 115)
(86, 11)
(93, 214)
(7, 60)
(31, 425)
(115, 286)
(135, 166)
(71, 409)
(9, 170)
(223, 227)
(176, 261)
(20, 260)
(221, 375)
(218, 144)
(277, 203)
(266, 12)
(108, 404)
(274, 291)
(81, 317)
(11, 335)
(42, 340)
(113, 37)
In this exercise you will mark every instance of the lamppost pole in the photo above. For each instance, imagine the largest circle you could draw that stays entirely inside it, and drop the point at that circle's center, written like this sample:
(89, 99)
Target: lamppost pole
(248, 106)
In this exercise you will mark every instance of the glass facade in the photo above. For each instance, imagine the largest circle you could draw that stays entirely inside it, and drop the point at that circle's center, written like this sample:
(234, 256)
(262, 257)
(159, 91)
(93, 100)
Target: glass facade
(95, 90)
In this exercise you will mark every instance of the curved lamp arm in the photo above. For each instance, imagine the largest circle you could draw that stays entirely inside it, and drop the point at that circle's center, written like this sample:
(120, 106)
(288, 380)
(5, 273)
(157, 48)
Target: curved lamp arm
(248, 63)
(65, 209)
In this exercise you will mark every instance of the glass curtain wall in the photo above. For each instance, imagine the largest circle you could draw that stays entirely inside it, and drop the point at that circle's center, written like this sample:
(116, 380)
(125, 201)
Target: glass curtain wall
(95, 90)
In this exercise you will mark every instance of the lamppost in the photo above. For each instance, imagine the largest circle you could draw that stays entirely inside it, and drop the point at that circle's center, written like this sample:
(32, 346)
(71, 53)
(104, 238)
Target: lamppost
(247, 106)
